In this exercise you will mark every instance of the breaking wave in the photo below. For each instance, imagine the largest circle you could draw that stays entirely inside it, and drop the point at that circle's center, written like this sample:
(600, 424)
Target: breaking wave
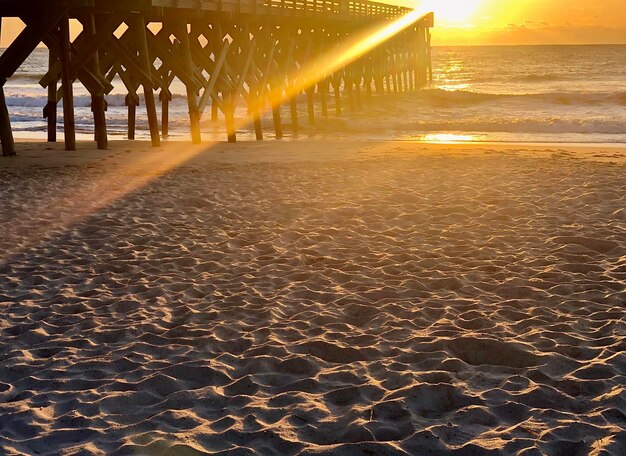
(525, 125)
(80, 101)
(440, 97)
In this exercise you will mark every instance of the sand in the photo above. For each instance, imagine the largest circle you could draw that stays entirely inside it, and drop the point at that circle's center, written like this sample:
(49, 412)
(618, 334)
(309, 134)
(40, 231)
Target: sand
(298, 298)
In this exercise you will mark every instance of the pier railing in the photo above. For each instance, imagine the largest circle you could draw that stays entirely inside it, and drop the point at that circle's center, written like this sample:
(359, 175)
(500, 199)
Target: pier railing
(265, 53)
(340, 9)
(347, 8)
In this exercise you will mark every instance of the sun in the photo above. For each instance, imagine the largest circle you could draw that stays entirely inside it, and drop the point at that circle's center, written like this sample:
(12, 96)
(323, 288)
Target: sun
(451, 12)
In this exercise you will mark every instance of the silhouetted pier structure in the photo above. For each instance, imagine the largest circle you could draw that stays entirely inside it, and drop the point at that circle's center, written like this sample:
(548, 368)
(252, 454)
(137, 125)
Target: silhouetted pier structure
(264, 53)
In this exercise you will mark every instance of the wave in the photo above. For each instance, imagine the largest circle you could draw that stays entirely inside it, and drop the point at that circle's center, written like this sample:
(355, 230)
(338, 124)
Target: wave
(28, 76)
(80, 101)
(525, 125)
(540, 77)
(433, 97)
(444, 98)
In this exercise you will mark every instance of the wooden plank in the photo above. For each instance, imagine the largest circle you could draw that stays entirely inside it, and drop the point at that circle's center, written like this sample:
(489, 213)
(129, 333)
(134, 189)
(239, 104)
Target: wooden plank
(213, 77)
(85, 45)
(161, 44)
(135, 67)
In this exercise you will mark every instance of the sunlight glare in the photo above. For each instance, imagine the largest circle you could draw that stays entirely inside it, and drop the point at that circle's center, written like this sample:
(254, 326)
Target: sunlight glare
(451, 12)
(447, 138)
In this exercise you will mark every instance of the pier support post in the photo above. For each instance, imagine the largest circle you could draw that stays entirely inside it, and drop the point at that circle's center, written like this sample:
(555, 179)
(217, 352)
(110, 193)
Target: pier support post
(278, 125)
(165, 97)
(215, 109)
(429, 55)
(293, 105)
(132, 102)
(65, 53)
(310, 98)
(6, 133)
(255, 107)
(258, 128)
(357, 92)
(98, 103)
(348, 87)
(229, 114)
(50, 110)
(337, 93)
(192, 97)
(323, 90)
(139, 23)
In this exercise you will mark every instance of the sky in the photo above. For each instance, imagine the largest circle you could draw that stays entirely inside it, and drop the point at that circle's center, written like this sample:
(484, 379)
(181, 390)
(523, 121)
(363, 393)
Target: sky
(488, 22)
(480, 22)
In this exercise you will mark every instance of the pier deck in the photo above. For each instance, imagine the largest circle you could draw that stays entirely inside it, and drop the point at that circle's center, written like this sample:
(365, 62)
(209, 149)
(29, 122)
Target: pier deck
(264, 53)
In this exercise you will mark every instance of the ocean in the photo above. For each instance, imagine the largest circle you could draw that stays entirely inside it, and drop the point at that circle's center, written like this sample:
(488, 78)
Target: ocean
(551, 94)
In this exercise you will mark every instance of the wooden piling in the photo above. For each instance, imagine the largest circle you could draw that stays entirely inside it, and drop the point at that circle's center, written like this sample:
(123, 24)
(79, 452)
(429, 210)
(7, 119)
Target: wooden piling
(6, 133)
(214, 110)
(98, 103)
(310, 98)
(65, 53)
(258, 129)
(139, 23)
(323, 91)
(50, 110)
(192, 98)
(165, 98)
(131, 102)
(357, 94)
(293, 106)
(337, 94)
(229, 115)
(278, 125)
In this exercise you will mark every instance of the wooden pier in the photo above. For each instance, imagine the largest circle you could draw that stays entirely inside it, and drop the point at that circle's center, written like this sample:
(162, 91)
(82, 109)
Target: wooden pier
(262, 53)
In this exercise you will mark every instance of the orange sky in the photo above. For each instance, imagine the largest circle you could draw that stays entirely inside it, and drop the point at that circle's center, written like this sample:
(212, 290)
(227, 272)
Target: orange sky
(526, 21)
(478, 22)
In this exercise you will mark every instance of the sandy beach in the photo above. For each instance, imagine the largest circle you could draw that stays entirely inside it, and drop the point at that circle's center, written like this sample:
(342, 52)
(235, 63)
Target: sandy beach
(313, 298)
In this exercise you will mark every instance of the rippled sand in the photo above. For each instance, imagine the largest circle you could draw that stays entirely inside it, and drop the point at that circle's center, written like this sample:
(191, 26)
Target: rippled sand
(313, 298)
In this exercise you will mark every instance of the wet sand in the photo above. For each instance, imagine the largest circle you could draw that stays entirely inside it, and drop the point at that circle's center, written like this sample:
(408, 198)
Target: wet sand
(297, 298)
